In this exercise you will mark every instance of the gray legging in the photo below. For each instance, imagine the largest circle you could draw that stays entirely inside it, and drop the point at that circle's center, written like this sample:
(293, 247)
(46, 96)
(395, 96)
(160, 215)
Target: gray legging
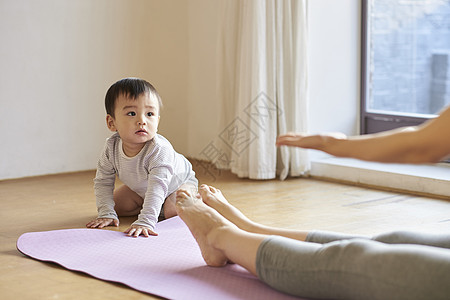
(398, 265)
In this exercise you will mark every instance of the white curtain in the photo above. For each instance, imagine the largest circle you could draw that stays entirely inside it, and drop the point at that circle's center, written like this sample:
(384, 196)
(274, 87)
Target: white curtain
(263, 85)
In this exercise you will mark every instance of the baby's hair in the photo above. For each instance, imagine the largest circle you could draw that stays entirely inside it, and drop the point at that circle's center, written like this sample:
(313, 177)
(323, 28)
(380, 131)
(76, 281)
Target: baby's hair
(130, 88)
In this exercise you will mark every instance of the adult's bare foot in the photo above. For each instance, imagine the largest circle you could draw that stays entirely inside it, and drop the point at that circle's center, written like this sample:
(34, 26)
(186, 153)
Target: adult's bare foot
(205, 224)
(214, 198)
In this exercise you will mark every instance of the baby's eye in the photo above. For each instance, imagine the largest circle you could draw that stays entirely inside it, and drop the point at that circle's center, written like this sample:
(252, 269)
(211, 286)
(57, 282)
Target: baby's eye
(150, 114)
(131, 113)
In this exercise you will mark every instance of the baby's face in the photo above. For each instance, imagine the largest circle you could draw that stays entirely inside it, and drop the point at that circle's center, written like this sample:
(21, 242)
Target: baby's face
(136, 120)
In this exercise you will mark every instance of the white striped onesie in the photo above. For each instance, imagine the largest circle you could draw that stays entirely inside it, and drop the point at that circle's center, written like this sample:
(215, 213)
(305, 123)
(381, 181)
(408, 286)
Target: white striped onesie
(154, 173)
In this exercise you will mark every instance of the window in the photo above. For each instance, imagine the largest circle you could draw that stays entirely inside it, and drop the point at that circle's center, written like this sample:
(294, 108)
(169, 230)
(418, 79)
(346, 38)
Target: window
(405, 62)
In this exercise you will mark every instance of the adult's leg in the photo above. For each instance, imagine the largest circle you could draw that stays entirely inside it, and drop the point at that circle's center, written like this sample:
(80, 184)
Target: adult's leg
(219, 240)
(214, 198)
(441, 240)
(354, 269)
(350, 269)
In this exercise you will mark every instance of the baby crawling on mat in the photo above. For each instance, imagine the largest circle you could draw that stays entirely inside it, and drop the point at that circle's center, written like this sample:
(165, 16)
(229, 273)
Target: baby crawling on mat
(151, 170)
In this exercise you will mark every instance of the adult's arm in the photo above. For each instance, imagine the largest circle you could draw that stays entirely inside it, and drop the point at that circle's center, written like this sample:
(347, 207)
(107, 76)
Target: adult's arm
(426, 143)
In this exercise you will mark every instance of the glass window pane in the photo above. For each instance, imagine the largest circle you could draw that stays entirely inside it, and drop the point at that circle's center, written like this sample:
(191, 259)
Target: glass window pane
(408, 56)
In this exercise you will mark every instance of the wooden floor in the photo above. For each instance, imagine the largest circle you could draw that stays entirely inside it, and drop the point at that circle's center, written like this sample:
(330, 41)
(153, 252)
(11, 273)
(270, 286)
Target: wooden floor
(67, 201)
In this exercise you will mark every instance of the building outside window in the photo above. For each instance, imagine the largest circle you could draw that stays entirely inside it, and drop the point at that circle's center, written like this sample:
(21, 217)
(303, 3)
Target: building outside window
(405, 62)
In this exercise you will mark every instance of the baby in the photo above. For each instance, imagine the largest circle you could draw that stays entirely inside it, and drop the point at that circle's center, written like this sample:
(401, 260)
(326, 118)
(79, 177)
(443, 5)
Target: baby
(143, 160)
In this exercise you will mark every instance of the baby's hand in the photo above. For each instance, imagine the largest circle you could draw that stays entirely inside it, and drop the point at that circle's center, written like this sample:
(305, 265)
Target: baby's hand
(102, 222)
(136, 230)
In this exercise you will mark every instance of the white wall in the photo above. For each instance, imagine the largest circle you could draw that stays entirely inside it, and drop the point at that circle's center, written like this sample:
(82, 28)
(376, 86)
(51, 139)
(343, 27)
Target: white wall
(57, 60)
(58, 57)
(334, 67)
(204, 107)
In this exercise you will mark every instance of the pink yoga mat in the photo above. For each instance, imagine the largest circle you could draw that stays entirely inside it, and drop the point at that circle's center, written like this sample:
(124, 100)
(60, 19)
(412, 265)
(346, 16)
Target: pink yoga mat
(169, 265)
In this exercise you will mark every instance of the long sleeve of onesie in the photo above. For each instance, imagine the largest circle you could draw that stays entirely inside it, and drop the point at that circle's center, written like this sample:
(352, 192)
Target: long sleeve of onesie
(157, 191)
(104, 186)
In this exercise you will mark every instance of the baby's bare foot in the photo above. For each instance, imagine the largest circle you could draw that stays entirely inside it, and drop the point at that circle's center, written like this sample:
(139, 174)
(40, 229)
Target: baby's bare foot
(205, 225)
(214, 198)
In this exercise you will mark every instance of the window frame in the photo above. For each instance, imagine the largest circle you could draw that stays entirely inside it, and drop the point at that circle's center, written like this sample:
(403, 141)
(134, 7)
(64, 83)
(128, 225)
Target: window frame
(376, 121)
